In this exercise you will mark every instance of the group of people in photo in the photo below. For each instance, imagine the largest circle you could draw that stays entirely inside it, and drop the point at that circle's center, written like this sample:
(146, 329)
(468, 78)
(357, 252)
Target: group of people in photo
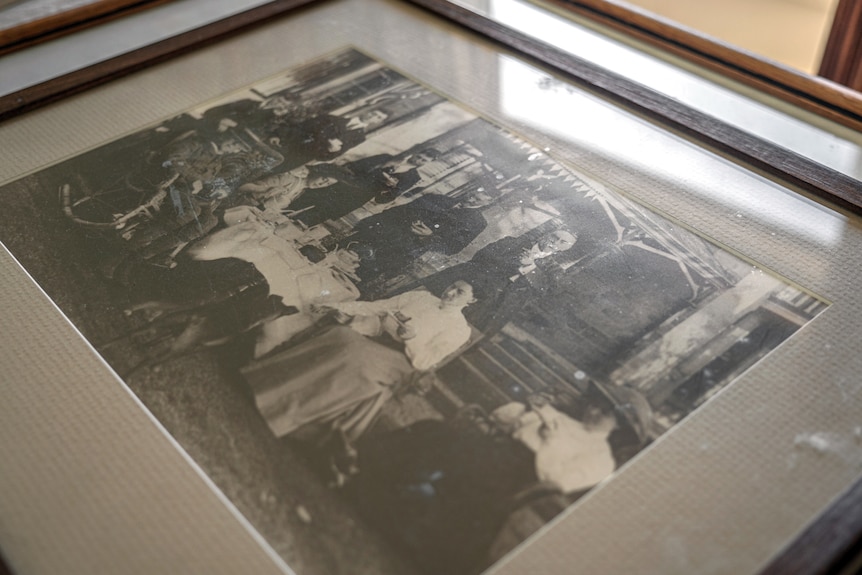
(353, 262)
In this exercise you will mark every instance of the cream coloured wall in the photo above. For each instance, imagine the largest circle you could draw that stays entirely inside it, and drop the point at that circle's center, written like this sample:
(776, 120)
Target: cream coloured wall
(792, 32)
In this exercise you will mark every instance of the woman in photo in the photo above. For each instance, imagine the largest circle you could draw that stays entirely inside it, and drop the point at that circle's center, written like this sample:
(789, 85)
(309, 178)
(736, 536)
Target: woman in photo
(340, 378)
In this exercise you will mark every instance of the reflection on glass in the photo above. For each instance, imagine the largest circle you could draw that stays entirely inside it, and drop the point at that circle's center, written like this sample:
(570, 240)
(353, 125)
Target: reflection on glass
(792, 32)
(18, 12)
(588, 123)
(835, 147)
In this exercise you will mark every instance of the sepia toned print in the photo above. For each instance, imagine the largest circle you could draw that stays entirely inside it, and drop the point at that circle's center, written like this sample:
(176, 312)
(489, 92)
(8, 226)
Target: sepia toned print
(399, 338)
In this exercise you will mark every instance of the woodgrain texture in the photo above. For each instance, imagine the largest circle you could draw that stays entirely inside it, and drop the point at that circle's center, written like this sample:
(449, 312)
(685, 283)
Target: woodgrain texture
(842, 58)
(66, 21)
(819, 95)
(831, 545)
(97, 74)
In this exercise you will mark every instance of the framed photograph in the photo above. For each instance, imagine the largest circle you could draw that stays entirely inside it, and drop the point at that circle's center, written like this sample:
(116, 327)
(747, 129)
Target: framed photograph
(360, 291)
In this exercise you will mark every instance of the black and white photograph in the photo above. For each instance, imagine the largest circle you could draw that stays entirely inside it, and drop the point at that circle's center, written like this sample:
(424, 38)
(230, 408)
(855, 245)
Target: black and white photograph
(399, 338)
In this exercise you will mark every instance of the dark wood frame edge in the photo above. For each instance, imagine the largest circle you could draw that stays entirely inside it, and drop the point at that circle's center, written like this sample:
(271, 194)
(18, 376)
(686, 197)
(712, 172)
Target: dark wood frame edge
(842, 57)
(34, 97)
(815, 94)
(57, 25)
(831, 545)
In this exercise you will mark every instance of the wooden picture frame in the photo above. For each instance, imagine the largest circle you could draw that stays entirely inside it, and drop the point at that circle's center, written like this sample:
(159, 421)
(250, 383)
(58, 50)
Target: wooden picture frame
(792, 171)
(841, 57)
(28, 30)
(830, 94)
(797, 170)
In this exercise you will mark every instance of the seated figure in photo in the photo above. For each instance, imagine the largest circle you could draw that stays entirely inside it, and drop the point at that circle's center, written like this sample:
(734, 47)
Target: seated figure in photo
(337, 379)
(138, 158)
(170, 331)
(277, 192)
(320, 138)
(216, 121)
(221, 165)
(248, 273)
(273, 244)
(380, 178)
(249, 113)
(388, 175)
(388, 242)
(508, 259)
(506, 272)
(300, 134)
(570, 454)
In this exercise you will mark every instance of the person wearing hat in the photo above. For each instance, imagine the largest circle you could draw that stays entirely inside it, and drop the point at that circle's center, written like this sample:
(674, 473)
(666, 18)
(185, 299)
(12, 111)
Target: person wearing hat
(380, 178)
(507, 272)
